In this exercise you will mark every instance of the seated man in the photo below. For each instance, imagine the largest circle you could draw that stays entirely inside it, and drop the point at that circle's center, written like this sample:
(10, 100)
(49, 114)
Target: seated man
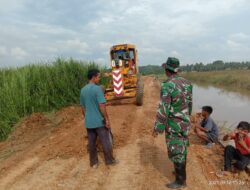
(242, 151)
(207, 129)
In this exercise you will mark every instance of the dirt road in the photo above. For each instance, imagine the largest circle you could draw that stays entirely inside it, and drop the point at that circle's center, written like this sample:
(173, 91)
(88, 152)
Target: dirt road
(49, 152)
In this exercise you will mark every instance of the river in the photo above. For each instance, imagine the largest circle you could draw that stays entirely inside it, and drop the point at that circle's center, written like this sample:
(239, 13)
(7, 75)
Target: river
(229, 107)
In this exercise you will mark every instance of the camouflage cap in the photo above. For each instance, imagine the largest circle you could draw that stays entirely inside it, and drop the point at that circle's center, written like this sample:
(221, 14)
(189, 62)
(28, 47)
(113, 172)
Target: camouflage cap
(172, 64)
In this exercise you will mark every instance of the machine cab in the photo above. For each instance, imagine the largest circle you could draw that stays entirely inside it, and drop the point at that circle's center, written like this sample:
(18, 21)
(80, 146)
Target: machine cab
(124, 57)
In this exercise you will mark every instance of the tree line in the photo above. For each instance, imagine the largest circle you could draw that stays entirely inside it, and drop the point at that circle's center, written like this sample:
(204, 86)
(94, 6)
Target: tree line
(218, 65)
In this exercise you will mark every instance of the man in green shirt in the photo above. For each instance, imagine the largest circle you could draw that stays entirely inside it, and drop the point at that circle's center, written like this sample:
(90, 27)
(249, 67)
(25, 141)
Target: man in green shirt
(173, 117)
(97, 121)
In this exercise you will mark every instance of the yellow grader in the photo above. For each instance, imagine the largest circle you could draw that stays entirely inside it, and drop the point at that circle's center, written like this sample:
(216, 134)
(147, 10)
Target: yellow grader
(126, 80)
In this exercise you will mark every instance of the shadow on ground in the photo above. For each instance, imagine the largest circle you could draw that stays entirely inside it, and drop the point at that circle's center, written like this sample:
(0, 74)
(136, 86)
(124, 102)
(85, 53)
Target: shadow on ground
(150, 154)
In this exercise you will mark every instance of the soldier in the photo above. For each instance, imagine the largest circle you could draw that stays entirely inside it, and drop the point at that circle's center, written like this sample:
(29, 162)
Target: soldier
(173, 117)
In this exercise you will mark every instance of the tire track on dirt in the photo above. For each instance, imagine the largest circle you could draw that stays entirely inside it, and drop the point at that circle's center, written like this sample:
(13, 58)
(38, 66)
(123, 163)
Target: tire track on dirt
(21, 168)
(138, 158)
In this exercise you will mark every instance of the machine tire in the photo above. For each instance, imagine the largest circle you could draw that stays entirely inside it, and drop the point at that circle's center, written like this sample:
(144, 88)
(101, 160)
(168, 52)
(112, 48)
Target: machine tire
(139, 92)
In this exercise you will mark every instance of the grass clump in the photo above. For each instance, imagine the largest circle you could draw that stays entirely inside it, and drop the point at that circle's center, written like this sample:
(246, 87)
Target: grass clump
(40, 88)
(236, 80)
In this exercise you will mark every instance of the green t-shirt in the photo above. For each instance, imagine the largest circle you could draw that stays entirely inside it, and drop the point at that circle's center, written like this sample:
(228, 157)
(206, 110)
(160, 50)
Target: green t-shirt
(90, 98)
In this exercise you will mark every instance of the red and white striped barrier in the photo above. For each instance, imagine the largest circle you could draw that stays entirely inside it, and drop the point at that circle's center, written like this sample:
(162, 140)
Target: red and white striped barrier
(117, 81)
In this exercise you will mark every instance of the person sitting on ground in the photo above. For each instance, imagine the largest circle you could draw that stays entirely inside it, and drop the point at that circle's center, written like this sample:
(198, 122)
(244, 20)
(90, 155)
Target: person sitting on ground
(207, 129)
(242, 151)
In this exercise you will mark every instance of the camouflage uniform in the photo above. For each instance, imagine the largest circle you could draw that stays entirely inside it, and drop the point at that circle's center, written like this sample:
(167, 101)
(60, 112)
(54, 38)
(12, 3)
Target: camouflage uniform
(173, 116)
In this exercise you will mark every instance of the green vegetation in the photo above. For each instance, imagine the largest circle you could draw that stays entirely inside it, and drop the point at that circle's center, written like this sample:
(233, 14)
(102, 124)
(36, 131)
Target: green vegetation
(216, 66)
(39, 88)
(199, 67)
(151, 69)
(233, 76)
(236, 80)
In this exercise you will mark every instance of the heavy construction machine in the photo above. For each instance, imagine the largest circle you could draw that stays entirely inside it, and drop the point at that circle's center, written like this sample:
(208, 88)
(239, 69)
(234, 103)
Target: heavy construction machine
(126, 80)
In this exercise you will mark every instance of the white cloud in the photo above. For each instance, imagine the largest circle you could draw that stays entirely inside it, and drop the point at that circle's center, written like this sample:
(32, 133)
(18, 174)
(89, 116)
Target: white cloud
(151, 50)
(136, 9)
(50, 29)
(105, 45)
(238, 42)
(52, 49)
(233, 44)
(93, 25)
(206, 9)
(107, 20)
(175, 54)
(18, 53)
(239, 36)
(77, 45)
(3, 51)
(8, 6)
(194, 30)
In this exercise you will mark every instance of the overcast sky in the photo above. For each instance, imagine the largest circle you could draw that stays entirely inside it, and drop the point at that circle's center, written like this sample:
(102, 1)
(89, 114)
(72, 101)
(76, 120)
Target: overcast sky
(191, 30)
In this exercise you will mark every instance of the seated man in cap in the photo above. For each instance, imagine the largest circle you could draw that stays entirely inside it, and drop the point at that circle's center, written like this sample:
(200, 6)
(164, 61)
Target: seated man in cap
(173, 117)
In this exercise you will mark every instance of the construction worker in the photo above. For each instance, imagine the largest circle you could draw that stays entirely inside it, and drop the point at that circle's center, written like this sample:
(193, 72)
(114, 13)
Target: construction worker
(96, 118)
(173, 117)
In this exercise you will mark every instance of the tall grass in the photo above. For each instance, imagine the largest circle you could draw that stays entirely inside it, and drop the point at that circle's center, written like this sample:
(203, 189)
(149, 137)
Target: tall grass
(39, 88)
(236, 80)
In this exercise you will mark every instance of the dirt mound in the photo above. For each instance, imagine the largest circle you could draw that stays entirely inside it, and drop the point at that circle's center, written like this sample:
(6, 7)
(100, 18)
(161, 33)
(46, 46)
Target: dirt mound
(50, 152)
(31, 125)
(27, 132)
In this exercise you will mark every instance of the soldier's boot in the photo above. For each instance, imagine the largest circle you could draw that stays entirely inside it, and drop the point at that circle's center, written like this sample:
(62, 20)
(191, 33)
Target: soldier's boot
(180, 174)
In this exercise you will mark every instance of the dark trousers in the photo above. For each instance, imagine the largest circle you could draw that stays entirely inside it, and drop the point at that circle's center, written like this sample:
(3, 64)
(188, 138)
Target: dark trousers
(230, 154)
(103, 134)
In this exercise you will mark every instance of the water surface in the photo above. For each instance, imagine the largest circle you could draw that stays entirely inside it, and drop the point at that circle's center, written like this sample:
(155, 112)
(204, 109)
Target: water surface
(229, 107)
